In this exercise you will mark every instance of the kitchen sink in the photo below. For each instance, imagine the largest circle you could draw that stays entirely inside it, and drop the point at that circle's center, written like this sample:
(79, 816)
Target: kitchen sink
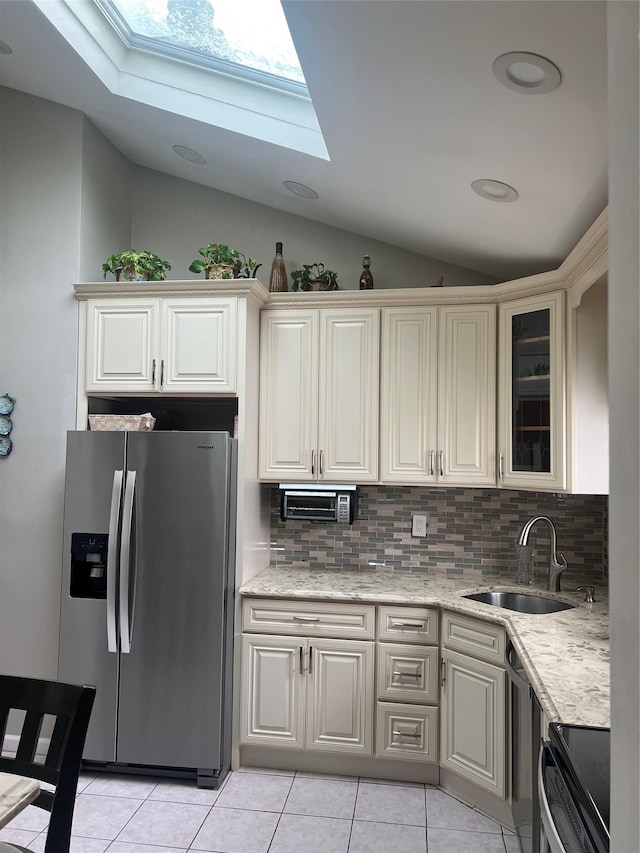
(523, 602)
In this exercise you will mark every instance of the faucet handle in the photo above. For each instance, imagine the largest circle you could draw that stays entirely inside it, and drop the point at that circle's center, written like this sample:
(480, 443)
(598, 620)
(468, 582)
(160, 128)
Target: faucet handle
(588, 593)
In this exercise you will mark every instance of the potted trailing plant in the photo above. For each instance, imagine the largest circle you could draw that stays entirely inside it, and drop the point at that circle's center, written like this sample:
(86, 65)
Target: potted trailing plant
(314, 277)
(220, 261)
(136, 266)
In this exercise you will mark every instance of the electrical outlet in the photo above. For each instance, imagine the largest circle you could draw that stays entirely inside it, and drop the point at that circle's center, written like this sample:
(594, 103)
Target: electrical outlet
(418, 525)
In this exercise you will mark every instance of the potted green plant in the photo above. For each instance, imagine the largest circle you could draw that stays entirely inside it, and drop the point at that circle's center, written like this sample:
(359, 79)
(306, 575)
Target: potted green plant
(314, 277)
(136, 266)
(220, 261)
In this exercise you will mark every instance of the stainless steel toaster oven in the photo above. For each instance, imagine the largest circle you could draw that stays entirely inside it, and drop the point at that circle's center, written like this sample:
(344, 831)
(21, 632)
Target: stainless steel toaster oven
(318, 502)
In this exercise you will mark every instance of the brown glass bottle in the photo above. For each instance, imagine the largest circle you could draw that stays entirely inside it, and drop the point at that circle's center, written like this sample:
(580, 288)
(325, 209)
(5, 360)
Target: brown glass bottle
(366, 279)
(278, 277)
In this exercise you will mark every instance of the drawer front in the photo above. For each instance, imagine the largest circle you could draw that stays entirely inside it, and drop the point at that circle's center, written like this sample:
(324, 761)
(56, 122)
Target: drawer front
(407, 673)
(483, 640)
(308, 618)
(408, 624)
(407, 731)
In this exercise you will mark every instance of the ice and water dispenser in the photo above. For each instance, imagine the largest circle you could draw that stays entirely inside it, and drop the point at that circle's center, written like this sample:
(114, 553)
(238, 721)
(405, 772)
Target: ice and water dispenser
(89, 565)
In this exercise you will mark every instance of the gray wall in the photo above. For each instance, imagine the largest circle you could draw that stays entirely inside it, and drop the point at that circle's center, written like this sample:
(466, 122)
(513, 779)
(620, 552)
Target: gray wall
(53, 190)
(623, 23)
(174, 218)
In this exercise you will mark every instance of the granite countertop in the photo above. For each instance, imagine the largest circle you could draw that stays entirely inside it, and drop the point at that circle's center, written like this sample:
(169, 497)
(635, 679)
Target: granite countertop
(565, 654)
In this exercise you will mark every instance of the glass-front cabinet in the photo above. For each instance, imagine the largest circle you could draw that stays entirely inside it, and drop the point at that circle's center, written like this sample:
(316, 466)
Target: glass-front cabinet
(531, 423)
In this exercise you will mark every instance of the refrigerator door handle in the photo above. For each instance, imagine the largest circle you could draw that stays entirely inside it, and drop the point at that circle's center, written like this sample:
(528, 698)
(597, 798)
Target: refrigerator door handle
(112, 562)
(125, 555)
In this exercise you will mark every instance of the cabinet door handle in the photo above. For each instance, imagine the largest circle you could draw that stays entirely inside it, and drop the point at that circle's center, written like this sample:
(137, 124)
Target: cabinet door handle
(301, 661)
(320, 471)
(441, 462)
(313, 463)
(500, 467)
(153, 372)
(162, 373)
(406, 674)
(431, 463)
(310, 659)
(443, 671)
(406, 734)
(306, 618)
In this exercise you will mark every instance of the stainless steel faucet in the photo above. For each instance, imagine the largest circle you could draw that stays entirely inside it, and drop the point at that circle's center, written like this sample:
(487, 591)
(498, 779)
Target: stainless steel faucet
(557, 563)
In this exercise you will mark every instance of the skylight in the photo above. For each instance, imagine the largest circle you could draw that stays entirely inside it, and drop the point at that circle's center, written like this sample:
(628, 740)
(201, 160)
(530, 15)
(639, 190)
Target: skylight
(250, 34)
(228, 63)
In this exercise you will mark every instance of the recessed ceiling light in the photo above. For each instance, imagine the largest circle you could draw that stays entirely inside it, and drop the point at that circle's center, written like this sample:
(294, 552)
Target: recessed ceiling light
(494, 190)
(300, 189)
(189, 154)
(5, 49)
(527, 73)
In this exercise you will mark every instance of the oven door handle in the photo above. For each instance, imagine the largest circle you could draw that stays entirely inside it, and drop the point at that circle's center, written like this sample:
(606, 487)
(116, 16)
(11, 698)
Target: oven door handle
(553, 839)
(517, 676)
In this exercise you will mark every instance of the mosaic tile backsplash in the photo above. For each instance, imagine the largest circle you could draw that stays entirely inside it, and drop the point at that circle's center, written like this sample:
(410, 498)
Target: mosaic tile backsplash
(469, 532)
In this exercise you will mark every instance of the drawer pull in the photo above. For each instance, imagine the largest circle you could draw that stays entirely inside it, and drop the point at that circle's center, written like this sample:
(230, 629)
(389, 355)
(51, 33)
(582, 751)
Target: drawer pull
(407, 625)
(415, 735)
(407, 674)
(306, 618)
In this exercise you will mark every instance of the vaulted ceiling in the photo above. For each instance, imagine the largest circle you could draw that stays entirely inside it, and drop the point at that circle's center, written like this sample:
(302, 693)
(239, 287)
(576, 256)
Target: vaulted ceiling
(411, 112)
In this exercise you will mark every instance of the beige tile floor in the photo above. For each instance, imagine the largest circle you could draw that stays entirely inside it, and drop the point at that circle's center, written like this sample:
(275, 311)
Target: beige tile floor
(266, 811)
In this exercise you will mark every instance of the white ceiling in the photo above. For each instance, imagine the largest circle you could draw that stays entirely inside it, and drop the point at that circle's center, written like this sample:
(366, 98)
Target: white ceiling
(411, 114)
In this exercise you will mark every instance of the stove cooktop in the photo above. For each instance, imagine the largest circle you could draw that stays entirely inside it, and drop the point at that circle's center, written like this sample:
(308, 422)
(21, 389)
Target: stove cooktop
(585, 752)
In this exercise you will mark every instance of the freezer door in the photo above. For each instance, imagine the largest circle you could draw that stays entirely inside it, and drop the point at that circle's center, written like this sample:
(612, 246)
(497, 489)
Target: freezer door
(85, 628)
(171, 679)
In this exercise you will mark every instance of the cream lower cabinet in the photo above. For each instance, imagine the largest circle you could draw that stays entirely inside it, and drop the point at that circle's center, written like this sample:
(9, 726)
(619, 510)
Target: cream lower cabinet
(438, 395)
(161, 345)
(319, 375)
(407, 683)
(473, 704)
(307, 693)
(302, 689)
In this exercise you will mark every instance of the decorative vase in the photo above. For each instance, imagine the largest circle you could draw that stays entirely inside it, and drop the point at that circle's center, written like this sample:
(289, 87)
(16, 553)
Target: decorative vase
(221, 271)
(130, 274)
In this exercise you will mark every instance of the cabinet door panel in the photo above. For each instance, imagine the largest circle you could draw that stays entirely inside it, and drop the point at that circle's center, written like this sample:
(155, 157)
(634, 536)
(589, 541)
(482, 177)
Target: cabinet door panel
(199, 346)
(531, 393)
(273, 709)
(340, 697)
(473, 707)
(408, 395)
(121, 345)
(466, 395)
(288, 395)
(348, 398)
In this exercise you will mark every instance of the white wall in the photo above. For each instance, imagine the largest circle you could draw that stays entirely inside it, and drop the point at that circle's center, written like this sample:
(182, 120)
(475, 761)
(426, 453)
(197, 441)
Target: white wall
(623, 23)
(173, 218)
(42, 189)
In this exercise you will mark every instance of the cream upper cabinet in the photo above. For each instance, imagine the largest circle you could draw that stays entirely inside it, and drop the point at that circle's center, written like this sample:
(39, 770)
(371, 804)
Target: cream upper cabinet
(438, 395)
(319, 395)
(531, 395)
(161, 345)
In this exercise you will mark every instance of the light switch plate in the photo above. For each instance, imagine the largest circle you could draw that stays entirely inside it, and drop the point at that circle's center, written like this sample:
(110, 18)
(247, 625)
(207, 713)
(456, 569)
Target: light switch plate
(418, 525)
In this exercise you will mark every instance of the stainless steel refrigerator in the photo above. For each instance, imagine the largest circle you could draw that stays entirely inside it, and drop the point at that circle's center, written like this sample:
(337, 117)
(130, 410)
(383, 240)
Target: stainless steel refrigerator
(147, 597)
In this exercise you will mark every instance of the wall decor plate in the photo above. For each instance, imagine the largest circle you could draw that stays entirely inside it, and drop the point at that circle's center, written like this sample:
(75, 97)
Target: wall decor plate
(5, 445)
(6, 404)
(6, 424)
